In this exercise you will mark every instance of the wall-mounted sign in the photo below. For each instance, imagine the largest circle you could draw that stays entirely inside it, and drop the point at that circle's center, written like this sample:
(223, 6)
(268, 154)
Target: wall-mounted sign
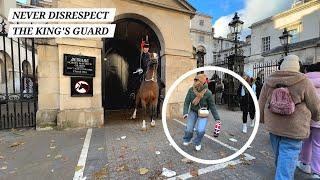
(81, 87)
(75, 65)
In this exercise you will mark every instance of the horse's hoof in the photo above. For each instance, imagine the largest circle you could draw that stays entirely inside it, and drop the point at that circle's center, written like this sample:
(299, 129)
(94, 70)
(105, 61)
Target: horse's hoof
(144, 127)
(153, 123)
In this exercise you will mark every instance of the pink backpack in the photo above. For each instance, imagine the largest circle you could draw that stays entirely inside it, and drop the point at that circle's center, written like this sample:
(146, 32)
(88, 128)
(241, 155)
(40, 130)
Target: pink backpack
(281, 101)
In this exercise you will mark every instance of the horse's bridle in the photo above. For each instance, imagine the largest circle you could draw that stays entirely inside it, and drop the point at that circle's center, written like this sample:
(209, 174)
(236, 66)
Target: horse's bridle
(154, 79)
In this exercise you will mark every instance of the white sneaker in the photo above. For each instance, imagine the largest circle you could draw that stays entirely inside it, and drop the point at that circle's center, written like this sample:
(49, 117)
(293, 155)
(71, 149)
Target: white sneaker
(252, 123)
(304, 167)
(315, 176)
(186, 143)
(244, 128)
(153, 123)
(198, 148)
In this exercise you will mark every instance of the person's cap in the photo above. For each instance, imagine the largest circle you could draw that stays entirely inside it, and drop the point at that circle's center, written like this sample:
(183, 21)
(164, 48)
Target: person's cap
(146, 44)
(249, 73)
(201, 77)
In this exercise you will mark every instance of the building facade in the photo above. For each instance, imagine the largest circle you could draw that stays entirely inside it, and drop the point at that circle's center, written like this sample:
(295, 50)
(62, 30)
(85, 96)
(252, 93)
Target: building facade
(224, 47)
(303, 23)
(166, 23)
(201, 32)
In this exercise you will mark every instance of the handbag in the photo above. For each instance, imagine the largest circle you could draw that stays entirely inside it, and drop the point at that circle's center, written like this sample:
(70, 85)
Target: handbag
(203, 112)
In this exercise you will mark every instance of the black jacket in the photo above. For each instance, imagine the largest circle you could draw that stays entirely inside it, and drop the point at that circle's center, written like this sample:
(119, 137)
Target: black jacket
(246, 101)
(145, 58)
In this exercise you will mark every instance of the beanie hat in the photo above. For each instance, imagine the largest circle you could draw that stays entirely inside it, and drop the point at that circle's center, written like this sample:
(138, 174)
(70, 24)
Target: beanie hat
(290, 63)
(202, 78)
(249, 73)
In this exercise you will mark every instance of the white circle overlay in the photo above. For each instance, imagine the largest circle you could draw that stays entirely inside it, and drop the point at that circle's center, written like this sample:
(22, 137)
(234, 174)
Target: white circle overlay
(164, 115)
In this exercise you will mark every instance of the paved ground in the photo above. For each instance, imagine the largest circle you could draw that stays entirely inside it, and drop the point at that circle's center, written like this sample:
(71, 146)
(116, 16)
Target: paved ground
(120, 150)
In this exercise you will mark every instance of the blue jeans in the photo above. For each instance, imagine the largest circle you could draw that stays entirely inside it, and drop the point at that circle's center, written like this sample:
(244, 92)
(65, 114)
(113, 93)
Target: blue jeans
(200, 123)
(286, 151)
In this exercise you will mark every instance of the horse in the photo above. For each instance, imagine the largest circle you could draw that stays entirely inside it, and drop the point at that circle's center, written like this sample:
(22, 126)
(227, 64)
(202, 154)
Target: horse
(148, 92)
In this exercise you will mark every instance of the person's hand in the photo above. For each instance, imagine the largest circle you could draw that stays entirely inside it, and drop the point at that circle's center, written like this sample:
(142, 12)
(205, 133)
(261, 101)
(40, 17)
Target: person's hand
(185, 116)
(140, 71)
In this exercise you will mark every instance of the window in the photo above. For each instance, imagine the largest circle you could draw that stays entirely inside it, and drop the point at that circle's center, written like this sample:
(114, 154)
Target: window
(201, 39)
(265, 44)
(214, 58)
(295, 37)
(201, 22)
(227, 45)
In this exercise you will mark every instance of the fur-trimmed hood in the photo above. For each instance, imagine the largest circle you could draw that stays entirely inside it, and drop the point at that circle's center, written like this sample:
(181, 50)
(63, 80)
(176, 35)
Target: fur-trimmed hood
(287, 78)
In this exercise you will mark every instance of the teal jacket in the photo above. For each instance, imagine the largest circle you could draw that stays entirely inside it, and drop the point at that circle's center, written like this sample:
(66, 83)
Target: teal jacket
(206, 101)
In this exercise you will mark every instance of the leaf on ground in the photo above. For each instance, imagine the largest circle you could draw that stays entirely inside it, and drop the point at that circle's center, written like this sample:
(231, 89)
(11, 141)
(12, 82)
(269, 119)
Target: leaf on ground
(78, 168)
(222, 153)
(4, 167)
(52, 147)
(12, 172)
(124, 147)
(64, 158)
(245, 162)
(194, 172)
(1, 157)
(15, 144)
(168, 173)
(100, 148)
(16, 133)
(143, 171)
(122, 168)
(186, 160)
(231, 166)
(265, 153)
(123, 137)
(58, 156)
(48, 155)
(102, 173)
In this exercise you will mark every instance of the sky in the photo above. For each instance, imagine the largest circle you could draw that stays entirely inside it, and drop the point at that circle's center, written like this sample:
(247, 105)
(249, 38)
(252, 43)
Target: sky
(250, 11)
(22, 1)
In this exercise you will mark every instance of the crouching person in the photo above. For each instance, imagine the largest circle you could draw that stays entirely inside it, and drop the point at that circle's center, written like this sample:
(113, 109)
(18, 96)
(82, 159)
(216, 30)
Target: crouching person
(199, 100)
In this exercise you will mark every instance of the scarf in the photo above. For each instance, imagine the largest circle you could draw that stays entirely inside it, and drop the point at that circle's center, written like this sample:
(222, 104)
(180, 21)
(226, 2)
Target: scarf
(199, 95)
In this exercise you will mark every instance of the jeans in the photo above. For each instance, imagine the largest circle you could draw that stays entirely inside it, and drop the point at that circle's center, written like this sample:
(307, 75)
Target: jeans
(310, 153)
(200, 123)
(286, 151)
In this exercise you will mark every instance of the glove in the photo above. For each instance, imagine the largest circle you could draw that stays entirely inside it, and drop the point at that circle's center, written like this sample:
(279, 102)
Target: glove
(185, 116)
(140, 71)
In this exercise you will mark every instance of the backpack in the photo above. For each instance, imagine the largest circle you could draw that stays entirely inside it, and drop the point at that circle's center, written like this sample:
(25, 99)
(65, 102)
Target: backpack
(281, 101)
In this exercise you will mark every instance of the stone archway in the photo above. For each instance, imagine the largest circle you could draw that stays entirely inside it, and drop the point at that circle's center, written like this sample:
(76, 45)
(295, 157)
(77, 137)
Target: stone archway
(122, 57)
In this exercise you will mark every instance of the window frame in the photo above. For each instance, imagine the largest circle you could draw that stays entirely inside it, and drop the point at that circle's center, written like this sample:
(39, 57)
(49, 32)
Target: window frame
(265, 44)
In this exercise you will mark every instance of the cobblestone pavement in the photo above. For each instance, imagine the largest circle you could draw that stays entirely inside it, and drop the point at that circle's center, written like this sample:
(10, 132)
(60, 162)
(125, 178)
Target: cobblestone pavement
(120, 150)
